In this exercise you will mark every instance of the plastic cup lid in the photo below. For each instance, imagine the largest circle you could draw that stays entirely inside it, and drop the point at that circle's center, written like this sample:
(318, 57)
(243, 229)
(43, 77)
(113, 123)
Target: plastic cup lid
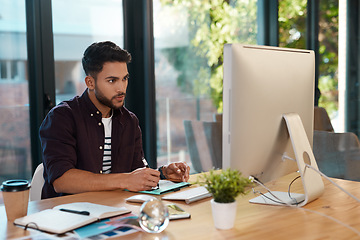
(15, 185)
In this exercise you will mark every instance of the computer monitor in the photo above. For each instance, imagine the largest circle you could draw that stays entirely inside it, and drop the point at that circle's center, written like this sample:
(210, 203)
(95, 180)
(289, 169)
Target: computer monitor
(261, 84)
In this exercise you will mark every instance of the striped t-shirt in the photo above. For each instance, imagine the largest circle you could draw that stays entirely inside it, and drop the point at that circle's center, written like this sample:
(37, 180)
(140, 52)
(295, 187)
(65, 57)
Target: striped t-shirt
(107, 145)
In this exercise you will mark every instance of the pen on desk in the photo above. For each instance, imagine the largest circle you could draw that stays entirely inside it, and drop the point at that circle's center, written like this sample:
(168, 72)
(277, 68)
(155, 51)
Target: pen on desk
(75, 211)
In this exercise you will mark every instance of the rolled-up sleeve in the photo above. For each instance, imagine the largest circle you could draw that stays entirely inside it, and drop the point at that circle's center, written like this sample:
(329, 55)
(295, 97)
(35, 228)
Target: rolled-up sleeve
(58, 142)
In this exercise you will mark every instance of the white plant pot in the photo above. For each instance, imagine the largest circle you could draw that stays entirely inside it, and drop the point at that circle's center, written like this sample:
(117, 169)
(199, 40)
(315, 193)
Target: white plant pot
(223, 214)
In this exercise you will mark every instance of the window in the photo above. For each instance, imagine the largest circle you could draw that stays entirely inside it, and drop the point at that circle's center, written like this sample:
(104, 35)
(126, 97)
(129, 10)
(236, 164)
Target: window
(328, 58)
(15, 156)
(189, 38)
(292, 29)
(85, 22)
(292, 23)
(12, 70)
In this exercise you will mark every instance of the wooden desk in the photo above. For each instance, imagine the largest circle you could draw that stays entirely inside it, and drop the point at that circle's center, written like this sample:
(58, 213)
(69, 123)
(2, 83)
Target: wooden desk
(253, 221)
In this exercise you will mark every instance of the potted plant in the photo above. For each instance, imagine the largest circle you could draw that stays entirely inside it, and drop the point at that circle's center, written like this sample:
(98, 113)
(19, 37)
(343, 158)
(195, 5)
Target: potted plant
(225, 186)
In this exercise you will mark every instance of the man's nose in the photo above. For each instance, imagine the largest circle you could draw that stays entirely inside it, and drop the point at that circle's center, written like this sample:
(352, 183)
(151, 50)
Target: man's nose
(121, 87)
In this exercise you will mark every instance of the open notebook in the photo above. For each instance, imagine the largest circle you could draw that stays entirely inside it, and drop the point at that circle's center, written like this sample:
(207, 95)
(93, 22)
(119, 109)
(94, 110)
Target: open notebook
(58, 221)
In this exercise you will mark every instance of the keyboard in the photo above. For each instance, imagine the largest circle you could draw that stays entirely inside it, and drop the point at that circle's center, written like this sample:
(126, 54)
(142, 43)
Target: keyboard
(189, 195)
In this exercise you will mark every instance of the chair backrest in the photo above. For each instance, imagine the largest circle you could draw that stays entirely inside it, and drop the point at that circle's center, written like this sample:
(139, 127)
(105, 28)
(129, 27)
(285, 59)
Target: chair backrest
(12, 161)
(337, 154)
(218, 117)
(37, 183)
(322, 120)
(204, 142)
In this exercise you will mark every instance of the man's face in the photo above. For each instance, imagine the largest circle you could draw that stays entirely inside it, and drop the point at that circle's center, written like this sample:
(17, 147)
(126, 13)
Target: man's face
(111, 84)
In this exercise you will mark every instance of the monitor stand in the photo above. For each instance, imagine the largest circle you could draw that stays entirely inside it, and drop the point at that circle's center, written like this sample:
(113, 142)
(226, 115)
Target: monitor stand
(311, 180)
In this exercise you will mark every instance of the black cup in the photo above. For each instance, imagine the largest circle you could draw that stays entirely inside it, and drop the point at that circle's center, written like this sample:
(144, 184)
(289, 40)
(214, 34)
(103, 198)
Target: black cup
(15, 185)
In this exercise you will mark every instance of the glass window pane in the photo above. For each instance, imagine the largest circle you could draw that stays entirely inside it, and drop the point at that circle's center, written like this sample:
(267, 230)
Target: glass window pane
(85, 22)
(189, 39)
(15, 155)
(328, 58)
(292, 29)
(292, 23)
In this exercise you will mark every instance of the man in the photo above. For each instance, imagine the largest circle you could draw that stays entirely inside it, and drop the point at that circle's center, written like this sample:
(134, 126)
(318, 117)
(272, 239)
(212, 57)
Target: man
(89, 136)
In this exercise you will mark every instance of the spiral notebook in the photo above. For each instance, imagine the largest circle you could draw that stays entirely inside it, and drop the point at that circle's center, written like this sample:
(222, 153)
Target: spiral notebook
(67, 217)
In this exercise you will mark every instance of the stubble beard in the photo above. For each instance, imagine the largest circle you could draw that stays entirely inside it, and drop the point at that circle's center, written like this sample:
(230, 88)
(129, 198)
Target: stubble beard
(108, 102)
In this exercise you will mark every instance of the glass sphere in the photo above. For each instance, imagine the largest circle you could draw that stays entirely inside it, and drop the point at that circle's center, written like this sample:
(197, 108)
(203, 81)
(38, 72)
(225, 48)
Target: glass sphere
(154, 216)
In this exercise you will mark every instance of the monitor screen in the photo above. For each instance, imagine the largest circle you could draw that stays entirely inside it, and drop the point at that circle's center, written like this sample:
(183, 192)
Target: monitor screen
(262, 83)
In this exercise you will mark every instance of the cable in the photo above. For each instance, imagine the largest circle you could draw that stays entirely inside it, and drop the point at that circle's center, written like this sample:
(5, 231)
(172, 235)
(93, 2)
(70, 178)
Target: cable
(289, 192)
(342, 189)
(270, 192)
(333, 219)
(285, 156)
(268, 197)
(296, 205)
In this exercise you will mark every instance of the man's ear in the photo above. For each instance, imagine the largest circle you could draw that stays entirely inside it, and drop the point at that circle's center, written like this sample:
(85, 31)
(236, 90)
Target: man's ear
(90, 82)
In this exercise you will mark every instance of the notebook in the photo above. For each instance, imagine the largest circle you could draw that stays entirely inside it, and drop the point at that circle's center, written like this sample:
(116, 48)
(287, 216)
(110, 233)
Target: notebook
(67, 217)
(190, 195)
(167, 186)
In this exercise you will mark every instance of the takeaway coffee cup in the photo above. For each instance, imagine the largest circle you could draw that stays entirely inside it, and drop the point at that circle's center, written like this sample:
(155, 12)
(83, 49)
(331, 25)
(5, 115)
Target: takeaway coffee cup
(16, 198)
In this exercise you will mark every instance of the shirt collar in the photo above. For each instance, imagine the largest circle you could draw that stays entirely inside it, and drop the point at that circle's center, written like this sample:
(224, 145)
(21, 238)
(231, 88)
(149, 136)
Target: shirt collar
(93, 111)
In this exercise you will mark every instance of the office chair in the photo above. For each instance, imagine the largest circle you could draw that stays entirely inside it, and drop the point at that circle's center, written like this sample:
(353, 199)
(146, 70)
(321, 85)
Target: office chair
(12, 161)
(204, 142)
(337, 154)
(218, 117)
(322, 120)
(37, 183)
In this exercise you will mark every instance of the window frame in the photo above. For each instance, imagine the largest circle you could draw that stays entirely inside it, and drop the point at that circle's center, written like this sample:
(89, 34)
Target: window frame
(139, 41)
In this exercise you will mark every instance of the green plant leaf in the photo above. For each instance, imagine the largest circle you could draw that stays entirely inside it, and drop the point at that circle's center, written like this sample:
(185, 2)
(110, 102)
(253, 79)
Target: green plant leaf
(224, 185)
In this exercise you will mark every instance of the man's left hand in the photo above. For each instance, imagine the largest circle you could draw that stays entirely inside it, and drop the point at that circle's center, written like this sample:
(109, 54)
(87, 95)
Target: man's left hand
(177, 172)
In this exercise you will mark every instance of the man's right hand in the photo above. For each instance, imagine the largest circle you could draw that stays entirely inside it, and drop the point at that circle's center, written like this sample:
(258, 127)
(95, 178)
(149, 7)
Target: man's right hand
(142, 179)
(78, 181)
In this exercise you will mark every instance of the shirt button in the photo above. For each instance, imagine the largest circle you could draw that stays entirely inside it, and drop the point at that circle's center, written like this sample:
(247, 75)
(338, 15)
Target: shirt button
(92, 115)
(99, 124)
(97, 112)
(101, 147)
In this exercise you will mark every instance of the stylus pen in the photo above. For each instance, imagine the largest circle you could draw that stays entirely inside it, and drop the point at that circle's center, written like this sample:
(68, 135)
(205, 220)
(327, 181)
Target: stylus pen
(147, 166)
(75, 211)
(145, 163)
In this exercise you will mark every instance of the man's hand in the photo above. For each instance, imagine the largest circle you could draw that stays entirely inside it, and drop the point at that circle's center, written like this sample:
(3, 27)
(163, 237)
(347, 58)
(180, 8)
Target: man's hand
(177, 172)
(142, 179)
(78, 181)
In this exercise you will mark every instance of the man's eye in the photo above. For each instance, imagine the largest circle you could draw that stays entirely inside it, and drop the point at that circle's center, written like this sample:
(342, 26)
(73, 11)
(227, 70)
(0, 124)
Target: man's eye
(111, 81)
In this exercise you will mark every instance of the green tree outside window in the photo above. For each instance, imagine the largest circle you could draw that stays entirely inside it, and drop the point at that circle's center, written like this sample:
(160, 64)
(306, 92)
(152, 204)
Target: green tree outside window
(214, 23)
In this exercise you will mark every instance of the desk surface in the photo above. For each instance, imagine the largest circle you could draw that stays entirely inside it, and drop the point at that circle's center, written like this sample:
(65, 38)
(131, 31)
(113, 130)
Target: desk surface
(253, 221)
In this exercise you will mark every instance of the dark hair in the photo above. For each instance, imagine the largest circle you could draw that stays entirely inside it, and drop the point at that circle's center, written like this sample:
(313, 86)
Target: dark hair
(101, 52)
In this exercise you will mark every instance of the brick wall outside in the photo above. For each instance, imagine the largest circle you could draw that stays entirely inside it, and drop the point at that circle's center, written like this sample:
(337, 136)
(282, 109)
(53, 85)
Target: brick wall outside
(15, 157)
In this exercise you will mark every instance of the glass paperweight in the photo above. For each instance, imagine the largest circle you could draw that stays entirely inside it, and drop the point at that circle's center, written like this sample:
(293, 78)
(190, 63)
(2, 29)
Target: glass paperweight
(154, 216)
